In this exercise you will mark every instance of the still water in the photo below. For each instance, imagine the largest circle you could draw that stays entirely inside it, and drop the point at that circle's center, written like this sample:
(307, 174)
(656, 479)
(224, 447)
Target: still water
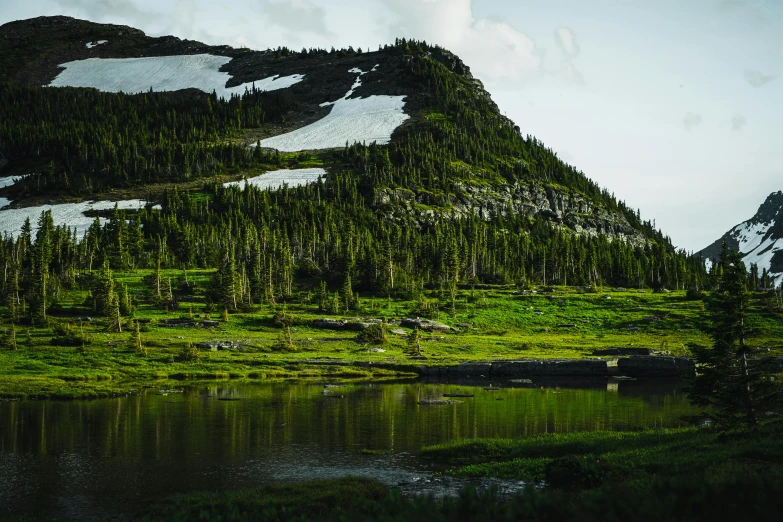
(105, 458)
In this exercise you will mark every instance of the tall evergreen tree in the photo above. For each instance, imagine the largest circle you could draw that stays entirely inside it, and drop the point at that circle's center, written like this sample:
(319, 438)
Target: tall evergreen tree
(736, 389)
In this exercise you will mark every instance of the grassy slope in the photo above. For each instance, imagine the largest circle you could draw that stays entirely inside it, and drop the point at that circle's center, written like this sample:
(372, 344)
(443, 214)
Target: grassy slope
(505, 325)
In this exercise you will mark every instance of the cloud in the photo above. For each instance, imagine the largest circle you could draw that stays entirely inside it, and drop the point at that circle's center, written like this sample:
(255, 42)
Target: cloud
(297, 16)
(691, 120)
(738, 121)
(757, 78)
(495, 51)
(567, 41)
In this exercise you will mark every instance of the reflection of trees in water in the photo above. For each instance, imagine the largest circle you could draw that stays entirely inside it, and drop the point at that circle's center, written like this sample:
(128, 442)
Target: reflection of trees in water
(180, 426)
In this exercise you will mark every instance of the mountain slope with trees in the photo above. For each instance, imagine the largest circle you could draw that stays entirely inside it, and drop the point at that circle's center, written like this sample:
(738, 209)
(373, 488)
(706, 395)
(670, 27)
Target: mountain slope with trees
(458, 197)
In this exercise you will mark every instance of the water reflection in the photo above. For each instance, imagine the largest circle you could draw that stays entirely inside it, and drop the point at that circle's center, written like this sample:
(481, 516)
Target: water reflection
(104, 457)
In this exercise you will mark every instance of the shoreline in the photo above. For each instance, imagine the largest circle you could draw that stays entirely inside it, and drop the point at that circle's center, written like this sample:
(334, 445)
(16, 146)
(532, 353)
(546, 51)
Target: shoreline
(591, 372)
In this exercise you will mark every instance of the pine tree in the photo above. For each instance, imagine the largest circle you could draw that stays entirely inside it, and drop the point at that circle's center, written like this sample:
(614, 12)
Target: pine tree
(735, 389)
(136, 338)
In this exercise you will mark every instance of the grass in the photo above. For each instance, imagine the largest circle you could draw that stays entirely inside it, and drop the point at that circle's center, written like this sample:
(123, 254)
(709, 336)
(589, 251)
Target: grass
(491, 323)
(686, 474)
(634, 458)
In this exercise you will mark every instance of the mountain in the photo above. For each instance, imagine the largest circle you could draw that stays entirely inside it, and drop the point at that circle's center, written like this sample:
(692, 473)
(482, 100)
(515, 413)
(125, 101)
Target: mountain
(759, 239)
(400, 152)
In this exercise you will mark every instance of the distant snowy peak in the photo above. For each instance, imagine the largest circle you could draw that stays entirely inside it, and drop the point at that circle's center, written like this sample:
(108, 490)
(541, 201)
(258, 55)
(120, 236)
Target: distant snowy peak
(759, 239)
(161, 73)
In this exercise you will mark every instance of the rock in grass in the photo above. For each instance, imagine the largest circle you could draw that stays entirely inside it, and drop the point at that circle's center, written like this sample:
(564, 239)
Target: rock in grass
(425, 325)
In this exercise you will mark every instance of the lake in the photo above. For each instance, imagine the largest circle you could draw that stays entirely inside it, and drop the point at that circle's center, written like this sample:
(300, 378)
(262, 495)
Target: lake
(104, 458)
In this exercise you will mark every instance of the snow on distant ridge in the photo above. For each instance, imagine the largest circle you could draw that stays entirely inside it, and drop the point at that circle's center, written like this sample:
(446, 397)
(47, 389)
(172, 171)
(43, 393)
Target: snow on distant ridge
(161, 73)
(279, 178)
(757, 246)
(68, 214)
(356, 120)
(90, 45)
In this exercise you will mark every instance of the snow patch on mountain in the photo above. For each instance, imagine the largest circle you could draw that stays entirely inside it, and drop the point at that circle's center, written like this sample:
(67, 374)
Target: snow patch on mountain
(65, 214)
(90, 45)
(280, 178)
(7, 181)
(161, 73)
(351, 120)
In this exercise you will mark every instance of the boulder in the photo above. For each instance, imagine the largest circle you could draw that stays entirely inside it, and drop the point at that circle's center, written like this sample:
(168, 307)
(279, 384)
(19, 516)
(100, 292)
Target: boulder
(655, 366)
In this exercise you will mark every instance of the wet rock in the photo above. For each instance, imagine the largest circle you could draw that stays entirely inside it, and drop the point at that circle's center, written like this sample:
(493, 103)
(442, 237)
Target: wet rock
(655, 366)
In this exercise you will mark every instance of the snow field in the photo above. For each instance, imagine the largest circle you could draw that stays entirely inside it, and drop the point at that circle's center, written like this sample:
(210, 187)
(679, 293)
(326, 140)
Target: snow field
(280, 178)
(358, 120)
(161, 73)
(68, 214)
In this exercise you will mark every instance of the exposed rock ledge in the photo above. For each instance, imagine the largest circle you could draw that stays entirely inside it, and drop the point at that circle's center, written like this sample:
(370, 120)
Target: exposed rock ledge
(569, 210)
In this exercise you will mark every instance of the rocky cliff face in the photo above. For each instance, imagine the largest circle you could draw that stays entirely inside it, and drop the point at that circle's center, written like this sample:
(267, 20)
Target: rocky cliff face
(760, 239)
(571, 211)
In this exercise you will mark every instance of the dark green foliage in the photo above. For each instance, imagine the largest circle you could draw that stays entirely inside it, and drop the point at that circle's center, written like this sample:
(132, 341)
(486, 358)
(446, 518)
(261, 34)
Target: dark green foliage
(575, 472)
(737, 391)
(67, 335)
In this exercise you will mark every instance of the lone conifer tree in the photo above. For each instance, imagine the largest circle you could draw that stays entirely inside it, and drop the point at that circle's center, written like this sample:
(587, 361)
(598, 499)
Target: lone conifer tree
(414, 343)
(736, 388)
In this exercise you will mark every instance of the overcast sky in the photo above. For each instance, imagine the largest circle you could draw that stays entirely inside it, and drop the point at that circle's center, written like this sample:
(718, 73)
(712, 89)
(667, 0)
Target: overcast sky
(676, 106)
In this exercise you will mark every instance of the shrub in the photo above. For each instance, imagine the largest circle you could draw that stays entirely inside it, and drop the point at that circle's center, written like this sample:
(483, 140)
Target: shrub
(374, 334)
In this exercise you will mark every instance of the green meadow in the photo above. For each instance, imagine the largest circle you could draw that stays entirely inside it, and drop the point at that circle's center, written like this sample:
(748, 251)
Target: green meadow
(77, 355)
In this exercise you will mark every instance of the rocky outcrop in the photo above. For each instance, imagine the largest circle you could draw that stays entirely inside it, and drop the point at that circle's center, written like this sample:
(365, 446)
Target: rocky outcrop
(655, 366)
(355, 325)
(568, 210)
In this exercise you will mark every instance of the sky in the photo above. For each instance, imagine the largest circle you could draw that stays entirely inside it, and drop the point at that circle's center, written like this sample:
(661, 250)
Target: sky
(675, 106)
